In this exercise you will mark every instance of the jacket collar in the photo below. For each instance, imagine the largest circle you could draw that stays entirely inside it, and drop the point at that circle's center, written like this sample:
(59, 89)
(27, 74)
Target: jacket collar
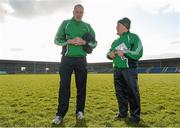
(125, 33)
(73, 19)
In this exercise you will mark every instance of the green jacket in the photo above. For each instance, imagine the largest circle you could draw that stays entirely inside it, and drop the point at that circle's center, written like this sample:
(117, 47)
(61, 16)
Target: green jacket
(131, 44)
(70, 29)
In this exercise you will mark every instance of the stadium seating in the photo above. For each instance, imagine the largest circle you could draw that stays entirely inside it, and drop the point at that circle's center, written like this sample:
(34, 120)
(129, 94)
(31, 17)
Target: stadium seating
(156, 70)
(146, 66)
(171, 69)
(142, 70)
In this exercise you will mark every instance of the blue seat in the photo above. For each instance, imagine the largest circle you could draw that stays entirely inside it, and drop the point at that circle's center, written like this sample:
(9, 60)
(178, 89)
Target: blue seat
(142, 70)
(171, 70)
(156, 70)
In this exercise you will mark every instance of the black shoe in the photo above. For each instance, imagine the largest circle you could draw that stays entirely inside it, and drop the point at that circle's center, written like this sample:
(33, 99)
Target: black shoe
(120, 116)
(134, 120)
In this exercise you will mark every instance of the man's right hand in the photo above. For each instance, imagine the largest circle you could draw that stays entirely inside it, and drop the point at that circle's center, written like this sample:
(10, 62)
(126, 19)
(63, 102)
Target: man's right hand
(112, 55)
(76, 41)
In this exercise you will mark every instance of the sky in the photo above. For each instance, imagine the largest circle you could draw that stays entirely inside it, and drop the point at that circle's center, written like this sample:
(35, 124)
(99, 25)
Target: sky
(28, 27)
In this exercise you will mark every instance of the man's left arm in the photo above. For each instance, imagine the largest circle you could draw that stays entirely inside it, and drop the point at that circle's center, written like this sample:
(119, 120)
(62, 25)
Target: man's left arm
(136, 51)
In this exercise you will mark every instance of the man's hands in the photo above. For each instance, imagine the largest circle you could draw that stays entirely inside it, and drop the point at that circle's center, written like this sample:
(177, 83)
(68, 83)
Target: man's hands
(112, 55)
(120, 53)
(76, 41)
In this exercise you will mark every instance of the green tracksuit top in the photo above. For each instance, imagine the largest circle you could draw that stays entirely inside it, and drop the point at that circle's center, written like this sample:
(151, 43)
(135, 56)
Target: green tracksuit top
(131, 44)
(70, 29)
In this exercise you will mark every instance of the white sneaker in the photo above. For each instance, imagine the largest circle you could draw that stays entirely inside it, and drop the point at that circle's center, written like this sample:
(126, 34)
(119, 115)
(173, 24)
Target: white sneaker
(80, 115)
(57, 120)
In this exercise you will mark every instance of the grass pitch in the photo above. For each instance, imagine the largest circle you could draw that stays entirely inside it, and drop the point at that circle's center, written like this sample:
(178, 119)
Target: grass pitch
(31, 101)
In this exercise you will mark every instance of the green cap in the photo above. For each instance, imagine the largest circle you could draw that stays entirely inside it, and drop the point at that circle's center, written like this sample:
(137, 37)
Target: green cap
(126, 22)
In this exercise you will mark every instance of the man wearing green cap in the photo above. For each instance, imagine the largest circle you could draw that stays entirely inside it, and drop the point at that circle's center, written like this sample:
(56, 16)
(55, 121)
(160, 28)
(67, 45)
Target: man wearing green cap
(125, 52)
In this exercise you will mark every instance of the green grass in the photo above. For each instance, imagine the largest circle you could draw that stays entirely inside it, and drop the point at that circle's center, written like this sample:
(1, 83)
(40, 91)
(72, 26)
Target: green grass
(31, 101)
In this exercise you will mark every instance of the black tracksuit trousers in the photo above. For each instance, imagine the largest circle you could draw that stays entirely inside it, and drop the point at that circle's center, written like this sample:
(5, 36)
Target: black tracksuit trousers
(127, 92)
(68, 65)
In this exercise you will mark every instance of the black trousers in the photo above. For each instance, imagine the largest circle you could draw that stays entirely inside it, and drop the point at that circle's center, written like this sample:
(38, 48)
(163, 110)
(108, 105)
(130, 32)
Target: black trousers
(127, 92)
(68, 65)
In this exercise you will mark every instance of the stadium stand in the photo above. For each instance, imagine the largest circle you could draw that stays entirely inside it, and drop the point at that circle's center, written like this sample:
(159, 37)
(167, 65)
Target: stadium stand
(171, 65)
(16, 66)
(156, 70)
(142, 69)
(171, 69)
